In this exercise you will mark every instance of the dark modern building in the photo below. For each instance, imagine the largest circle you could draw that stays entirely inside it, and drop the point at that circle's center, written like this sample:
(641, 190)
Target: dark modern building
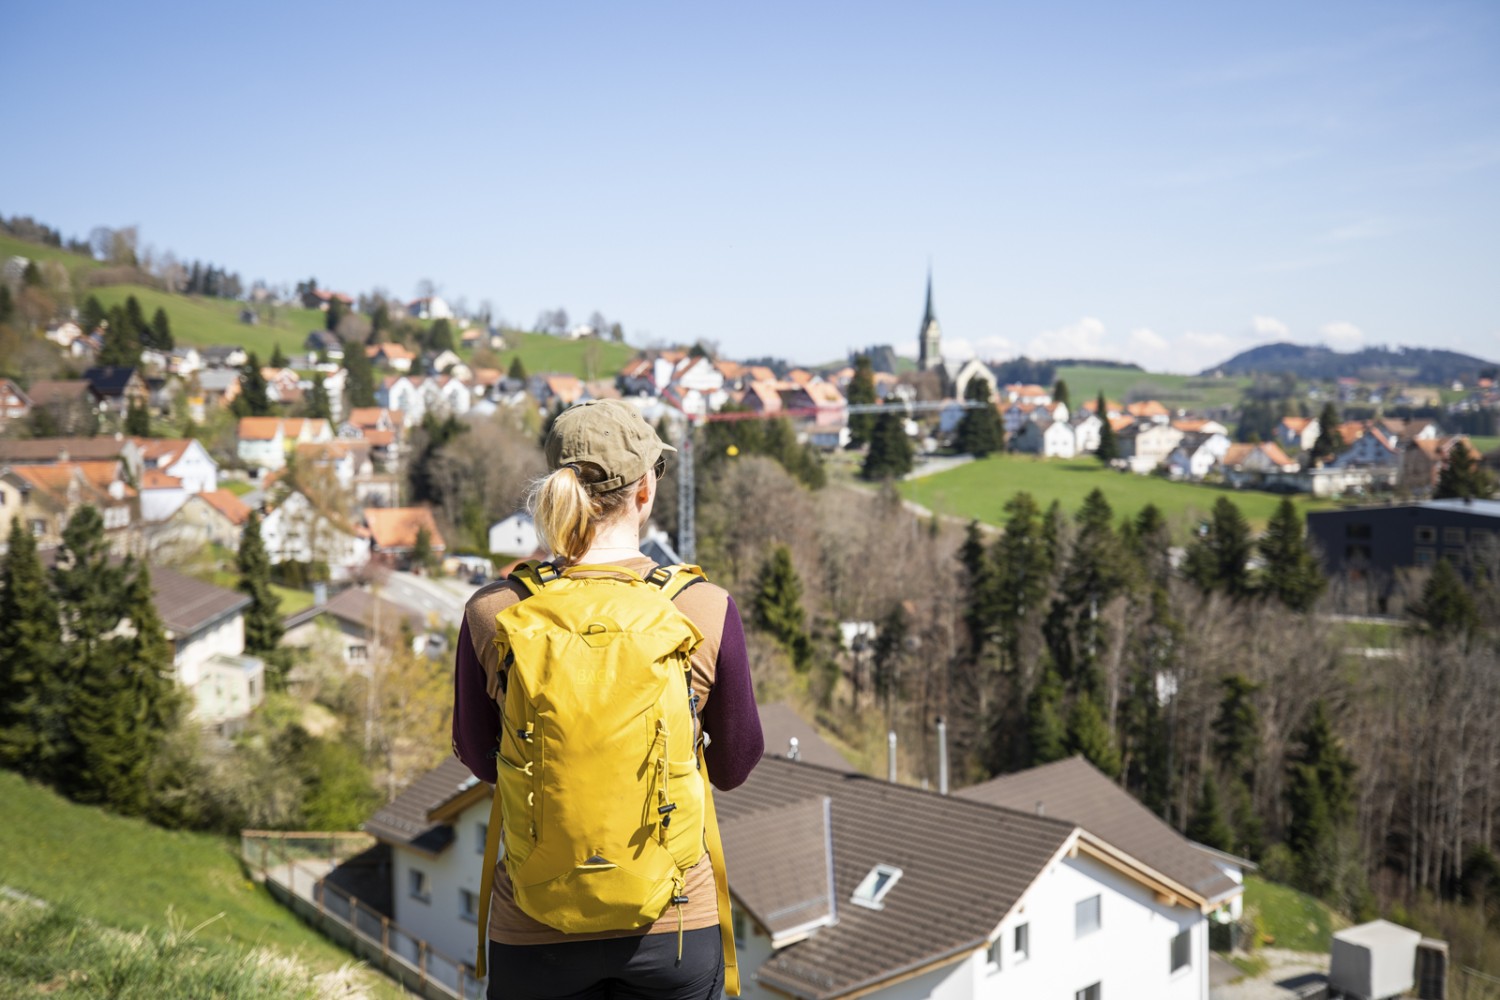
(1379, 542)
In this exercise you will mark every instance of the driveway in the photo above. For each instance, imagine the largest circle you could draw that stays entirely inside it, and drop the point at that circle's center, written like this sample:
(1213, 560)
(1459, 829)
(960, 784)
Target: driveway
(1289, 975)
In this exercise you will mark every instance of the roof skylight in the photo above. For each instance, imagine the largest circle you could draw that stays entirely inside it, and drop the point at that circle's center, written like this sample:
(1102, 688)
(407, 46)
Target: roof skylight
(873, 889)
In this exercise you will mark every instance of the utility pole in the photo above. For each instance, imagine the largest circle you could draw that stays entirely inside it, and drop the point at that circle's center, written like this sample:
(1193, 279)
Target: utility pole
(687, 493)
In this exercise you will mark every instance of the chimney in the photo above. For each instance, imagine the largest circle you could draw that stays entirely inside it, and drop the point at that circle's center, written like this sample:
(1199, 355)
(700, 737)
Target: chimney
(320, 594)
(942, 728)
(890, 756)
(793, 751)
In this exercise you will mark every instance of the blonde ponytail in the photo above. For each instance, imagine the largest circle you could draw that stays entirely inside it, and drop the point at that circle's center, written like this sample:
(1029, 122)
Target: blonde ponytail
(567, 515)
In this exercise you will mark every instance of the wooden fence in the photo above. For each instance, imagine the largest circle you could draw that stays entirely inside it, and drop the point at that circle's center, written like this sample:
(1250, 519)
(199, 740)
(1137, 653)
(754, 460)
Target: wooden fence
(285, 862)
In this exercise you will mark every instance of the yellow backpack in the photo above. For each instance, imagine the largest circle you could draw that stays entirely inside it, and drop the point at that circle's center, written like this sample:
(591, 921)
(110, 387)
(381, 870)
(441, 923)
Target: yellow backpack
(602, 797)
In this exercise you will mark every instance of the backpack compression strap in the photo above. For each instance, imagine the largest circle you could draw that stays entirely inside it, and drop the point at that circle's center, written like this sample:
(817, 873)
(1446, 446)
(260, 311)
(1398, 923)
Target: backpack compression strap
(721, 882)
(487, 881)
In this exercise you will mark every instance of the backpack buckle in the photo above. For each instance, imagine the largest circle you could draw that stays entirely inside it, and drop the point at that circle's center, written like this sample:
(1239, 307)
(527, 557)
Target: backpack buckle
(659, 577)
(545, 573)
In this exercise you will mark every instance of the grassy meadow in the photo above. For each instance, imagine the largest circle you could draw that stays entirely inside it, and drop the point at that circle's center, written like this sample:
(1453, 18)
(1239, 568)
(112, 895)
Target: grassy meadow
(204, 322)
(126, 874)
(1189, 392)
(980, 490)
(588, 359)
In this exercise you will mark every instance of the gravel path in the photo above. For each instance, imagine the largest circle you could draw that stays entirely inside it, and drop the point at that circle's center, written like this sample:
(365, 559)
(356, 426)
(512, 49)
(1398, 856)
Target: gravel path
(1287, 971)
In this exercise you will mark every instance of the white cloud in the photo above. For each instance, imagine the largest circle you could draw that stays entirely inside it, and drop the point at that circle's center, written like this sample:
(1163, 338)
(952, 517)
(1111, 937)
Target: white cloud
(1342, 335)
(1083, 339)
(1146, 341)
(1263, 327)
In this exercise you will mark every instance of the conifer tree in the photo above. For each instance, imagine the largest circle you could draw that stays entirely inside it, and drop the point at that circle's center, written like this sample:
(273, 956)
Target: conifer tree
(440, 337)
(890, 646)
(359, 387)
(1060, 394)
(1109, 446)
(981, 606)
(139, 328)
(8, 304)
(861, 392)
(1328, 443)
(980, 432)
(517, 370)
(1098, 571)
(1462, 477)
(92, 314)
(32, 694)
(890, 454)
(778, 606)
(1320, 796)
(1151, 541)
(318, 404)
(278, 359)
(126, 703)
(254, 399)
(1023, 571)
(122, 345)
(1237, 729)
(88, 590)
(1218, 559)
(1089, 735)
(161, 330)
(336, 312)
(137, 419)
(1446, 608)
(1291, 573)
(1207, 825)
(263, 629)
(421, 549)
(1046, 736)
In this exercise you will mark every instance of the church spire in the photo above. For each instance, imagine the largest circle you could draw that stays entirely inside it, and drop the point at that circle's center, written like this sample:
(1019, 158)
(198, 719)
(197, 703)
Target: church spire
(929, 339)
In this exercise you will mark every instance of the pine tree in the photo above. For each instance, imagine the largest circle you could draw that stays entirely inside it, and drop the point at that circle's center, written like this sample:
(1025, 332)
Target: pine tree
(1151, 543)
(1329, 443)
(421, 549)
(1023, 571)
(1207, 825)
(254, 399)
(440, 337)
(1462, 477)
(981, 607)
(778, 606)
(122, 345)
(88, 590)
(92, 315)
(263, 628)
(890, 646)
(8, 304)
(1291, 573)
(517, 371)
(278, 359)
(126, 702)
(1089, 735)
(1109, 446)
(1237, 729)
(1099, 570)
(1249, 829)
(1320, 796)
(1218, 559)
(1060, 394)
(161, 331)
(336, 312)
(137, 419)
(1446, 608)
(980, 432)
(890, 454)
(318, 404)
(139, 328)
(861, 392)
(359, 387)
(32, 694)
(1046, 736)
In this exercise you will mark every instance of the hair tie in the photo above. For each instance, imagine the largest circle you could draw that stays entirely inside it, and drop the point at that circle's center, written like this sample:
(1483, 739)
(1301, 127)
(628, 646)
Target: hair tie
(573, 466)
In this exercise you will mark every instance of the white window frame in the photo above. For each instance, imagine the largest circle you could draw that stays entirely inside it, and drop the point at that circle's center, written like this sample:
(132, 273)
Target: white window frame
(1022, 942)
(876, 886)
(1080, 908)
(417, 885)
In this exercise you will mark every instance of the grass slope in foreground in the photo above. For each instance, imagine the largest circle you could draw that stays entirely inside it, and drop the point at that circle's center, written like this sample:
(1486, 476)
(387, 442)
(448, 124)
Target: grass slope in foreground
(199, 321)
(980, 490)
(126, 874)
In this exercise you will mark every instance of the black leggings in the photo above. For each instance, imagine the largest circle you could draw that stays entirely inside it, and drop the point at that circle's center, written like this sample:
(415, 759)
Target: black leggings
(628, 968)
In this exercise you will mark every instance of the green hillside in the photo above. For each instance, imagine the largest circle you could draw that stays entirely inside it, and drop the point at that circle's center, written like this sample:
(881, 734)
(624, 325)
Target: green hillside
(127, 874)
(1127, 385)
(204, 322)
(12, 247)
(980, 490)
(588, 359)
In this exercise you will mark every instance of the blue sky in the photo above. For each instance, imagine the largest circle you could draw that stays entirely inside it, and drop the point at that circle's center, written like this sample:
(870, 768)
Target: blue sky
(1164, 183)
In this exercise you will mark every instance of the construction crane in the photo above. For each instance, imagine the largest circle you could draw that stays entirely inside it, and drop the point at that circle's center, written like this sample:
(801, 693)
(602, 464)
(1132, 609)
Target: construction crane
(687, 491)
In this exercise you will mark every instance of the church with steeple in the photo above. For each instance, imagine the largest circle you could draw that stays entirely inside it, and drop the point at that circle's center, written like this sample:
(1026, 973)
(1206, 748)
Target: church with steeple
(954, 375)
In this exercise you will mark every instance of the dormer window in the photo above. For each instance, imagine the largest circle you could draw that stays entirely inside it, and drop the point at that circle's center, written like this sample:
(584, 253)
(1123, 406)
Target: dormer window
(873, 889)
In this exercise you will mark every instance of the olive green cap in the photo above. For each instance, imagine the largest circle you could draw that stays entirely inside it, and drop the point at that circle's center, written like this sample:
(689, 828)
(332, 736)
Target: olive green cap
(611, 434)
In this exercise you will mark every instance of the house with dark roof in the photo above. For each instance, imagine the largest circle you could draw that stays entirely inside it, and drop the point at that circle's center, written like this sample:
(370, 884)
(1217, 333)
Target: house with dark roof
(117, 387)
(15, 404)
(848, 886)
(206, 625)
(360, 623)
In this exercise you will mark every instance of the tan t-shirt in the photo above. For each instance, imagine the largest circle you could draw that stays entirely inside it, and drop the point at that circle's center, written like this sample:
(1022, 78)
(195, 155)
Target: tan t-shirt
(706, 606)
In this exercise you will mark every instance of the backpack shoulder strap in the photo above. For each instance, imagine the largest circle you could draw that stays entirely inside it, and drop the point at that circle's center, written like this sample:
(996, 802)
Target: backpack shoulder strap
(673, 580)
(534, 574)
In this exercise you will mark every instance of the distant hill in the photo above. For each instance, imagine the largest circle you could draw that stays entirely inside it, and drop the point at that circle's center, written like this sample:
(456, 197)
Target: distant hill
(1424, 365)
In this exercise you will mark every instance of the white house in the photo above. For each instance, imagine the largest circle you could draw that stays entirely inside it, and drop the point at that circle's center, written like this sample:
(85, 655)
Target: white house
(1147, 444)
(402, 393)
(297, 532)
(1196, 455)
(831, 900)
(430, 307)
(515, 535)
(1297, 434)
(184, 458)
(206, 625)
(1086, 428)
(1016, 416)
(262, 443)
(1376, 448)
(1050, 439)
(161, 495)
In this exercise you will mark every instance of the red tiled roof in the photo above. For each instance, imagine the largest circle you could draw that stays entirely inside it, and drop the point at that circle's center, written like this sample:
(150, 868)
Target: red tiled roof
(228, 504)
(259, 428)
(397, 527)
